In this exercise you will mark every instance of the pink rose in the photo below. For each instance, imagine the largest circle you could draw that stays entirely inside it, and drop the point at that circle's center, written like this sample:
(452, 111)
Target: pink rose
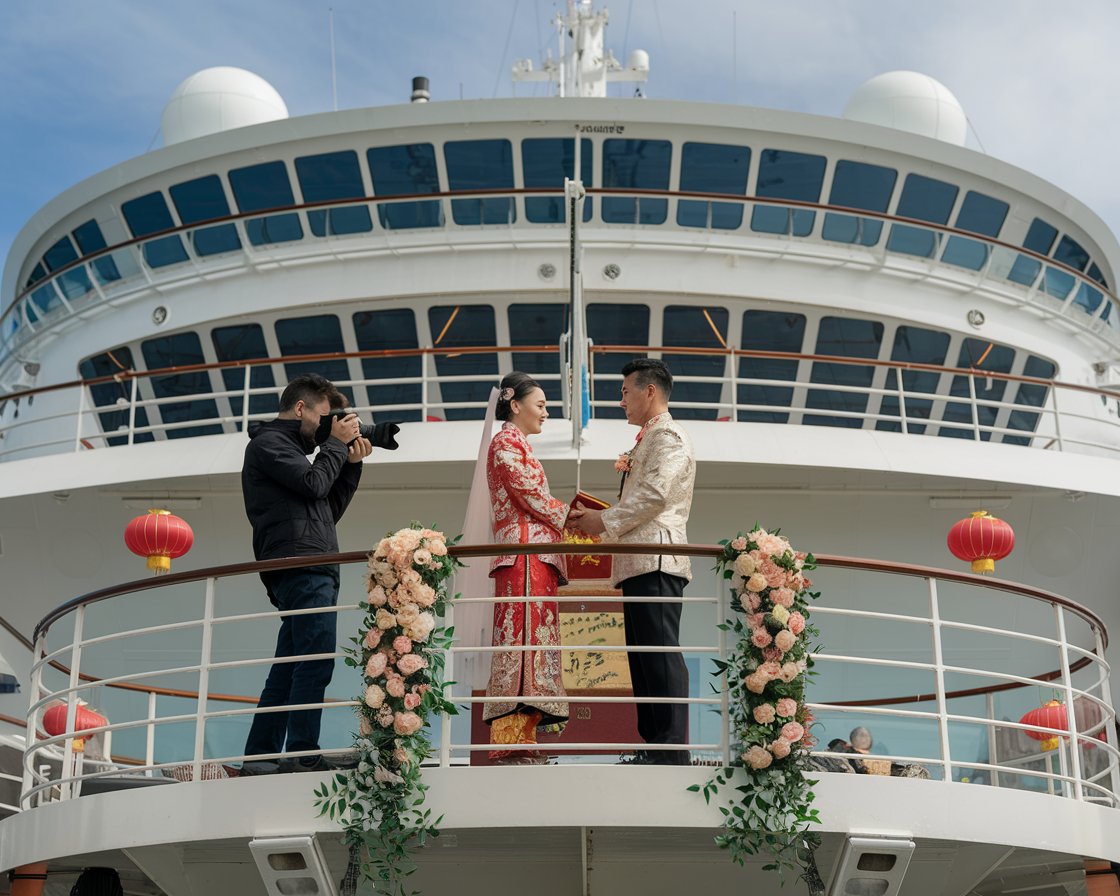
(753, 601)
(377, 596)
(757, 758)
(437, 547)
(775, 575)
(421, 627)
(406, 723)
(375, 665)
(372, 638)
(780, 748)
(789, 672)
(793, 731)
(771, 654)
(764, 713)
(400, 757)
(411, 701)
(385, 620)
(739, 544)
(787, 707)
(782, 597)
(754, 620)
(365, 729)
(422, 557)
(411, 663)
(407, 613)
(755, 683)
(424, 595)
(796, 622)
(761, 638)
(385, 716)
(402, 644)
(757, 581)
(395, 686)
(769, 671)
(374, 697)
(785, 639)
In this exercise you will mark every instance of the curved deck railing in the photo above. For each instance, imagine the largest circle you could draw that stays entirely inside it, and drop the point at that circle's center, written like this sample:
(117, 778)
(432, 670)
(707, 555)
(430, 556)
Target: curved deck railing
(123, 268)
(955, 402)
(947, 693)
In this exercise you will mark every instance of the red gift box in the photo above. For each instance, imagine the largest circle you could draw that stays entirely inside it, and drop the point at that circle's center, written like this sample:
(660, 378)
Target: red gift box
(587, 566)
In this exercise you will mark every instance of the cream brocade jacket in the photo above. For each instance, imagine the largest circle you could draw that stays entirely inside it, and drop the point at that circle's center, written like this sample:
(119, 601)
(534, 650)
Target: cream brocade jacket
(655, 502)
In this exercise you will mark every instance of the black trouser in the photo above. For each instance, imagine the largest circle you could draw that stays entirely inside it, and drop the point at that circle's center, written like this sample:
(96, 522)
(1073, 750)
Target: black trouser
(657, 674)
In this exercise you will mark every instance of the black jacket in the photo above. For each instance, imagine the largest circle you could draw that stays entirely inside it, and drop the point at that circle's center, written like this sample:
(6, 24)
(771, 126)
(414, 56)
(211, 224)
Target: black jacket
(293, 505)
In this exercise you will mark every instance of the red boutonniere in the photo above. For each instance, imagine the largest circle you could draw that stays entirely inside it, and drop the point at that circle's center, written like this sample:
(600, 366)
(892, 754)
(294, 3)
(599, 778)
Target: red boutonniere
(622, 465)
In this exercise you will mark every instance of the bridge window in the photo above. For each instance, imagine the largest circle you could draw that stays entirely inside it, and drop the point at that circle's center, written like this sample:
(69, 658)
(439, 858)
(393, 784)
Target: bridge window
(787, 175)
(149, 214)
(862, 186)
(90, 240)
(329, 177)
(913, 345)
(204, 200)
(1040, 237)
(713, 168)
(480, 165)
(318, 335)
(405, 171)
(689, 326)
(261, 187)
(545, 162)
(614, 324)
(1031, 395)
(769, 331)
(636, 165)
(245, 342)
(178, 350)
(979, 214)
(850, 338)
(74, 282)
(927, 200)
(981, 356)
(387, 330)
(114, 394)
(538, 323)
(455, 326)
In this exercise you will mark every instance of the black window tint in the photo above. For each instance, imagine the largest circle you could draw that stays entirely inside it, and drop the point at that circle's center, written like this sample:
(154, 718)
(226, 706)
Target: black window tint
(149, 214)
(204, 200)
(261, 187)
(982, 356)
(769, 331)
(863, 186)
(713, 168)
(614, 324)
(244, 342)
(1040, 237)
(480, 165)
(90, 240)
(331, 176)
(850, 338)
(538, 323)
(641, 165)
(388, 330)
(1030, 395)
(316, 335)
(927, 200)
(787, 175)
(106, 395)
(177, 350)
(545, 162)
(1071, 254)
(979, 214)
(75, 282)
(913, 345)
(454, 326)
(405, 171)
(689, 326)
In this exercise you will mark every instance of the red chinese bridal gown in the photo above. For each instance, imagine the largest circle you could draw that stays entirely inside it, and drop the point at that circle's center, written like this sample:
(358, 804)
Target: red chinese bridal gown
(524, 513)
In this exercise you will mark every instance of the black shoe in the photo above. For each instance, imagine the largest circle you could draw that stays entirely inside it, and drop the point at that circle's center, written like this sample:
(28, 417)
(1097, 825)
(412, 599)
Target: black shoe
(312, 764)
(253, 767)
(639, 757)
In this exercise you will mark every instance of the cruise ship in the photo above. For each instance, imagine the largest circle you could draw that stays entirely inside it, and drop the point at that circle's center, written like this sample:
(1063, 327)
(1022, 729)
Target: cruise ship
(875, 332)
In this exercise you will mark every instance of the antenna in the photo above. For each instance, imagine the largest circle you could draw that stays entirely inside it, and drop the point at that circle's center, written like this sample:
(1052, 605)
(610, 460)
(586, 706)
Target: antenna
(334, 78)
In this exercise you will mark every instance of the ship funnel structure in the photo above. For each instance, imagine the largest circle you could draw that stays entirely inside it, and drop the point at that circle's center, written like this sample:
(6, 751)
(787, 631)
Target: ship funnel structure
(420, 92)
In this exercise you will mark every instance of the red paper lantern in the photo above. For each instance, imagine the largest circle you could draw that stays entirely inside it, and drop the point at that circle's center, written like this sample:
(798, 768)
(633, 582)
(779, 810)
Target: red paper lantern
(160, 536)
(54, 722)
(1050, 715)
(982, 540)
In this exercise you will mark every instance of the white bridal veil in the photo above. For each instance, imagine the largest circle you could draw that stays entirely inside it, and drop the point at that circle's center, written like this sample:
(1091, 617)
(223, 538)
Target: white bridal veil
(474, 622)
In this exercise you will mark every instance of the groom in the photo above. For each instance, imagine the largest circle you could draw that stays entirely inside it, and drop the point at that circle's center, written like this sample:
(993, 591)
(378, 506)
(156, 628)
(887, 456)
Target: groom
(657, 478)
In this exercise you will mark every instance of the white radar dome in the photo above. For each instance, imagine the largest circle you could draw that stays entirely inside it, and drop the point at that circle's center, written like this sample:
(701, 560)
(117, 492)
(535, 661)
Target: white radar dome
(219, 99)
(909, 101)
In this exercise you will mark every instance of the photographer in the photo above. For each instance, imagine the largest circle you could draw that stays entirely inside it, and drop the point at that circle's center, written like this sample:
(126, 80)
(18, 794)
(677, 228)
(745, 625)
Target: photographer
(293, 505)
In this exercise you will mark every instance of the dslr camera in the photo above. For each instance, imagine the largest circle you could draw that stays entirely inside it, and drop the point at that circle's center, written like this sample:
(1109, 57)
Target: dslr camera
(380, 435)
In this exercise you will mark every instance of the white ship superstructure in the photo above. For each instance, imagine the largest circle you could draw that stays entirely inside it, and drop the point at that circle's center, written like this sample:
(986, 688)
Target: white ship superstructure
(874, 331)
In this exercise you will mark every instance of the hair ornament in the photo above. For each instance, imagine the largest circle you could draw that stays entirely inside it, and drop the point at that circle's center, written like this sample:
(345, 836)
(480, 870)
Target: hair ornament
(506, 394)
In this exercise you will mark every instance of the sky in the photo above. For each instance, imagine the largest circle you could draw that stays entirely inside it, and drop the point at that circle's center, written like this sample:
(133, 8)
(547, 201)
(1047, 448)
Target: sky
(83, 82)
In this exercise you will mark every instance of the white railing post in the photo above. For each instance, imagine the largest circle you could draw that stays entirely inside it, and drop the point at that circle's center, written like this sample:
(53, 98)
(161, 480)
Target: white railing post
(448, 675)
(1071, 715)
(68, 764)
(30, 745)
(132, 410)
(1057, 416)
(81, 414)
(939, 679)
(975, 409)
(902, 404)
(245, 398)
(423, 387)
(150, 735)
(203, 680)
(1109, 729)
(993, 759)
(722, 615)
(734, 386)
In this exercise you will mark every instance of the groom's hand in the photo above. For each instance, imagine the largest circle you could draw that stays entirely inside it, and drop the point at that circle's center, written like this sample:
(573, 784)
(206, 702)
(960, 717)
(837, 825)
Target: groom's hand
(586, 520)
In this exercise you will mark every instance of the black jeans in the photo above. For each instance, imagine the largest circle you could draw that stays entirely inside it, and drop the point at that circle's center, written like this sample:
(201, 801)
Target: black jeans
(657, 674)
(293, 683)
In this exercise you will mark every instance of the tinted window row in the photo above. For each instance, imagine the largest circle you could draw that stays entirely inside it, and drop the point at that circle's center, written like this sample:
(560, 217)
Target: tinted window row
(764, 393)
